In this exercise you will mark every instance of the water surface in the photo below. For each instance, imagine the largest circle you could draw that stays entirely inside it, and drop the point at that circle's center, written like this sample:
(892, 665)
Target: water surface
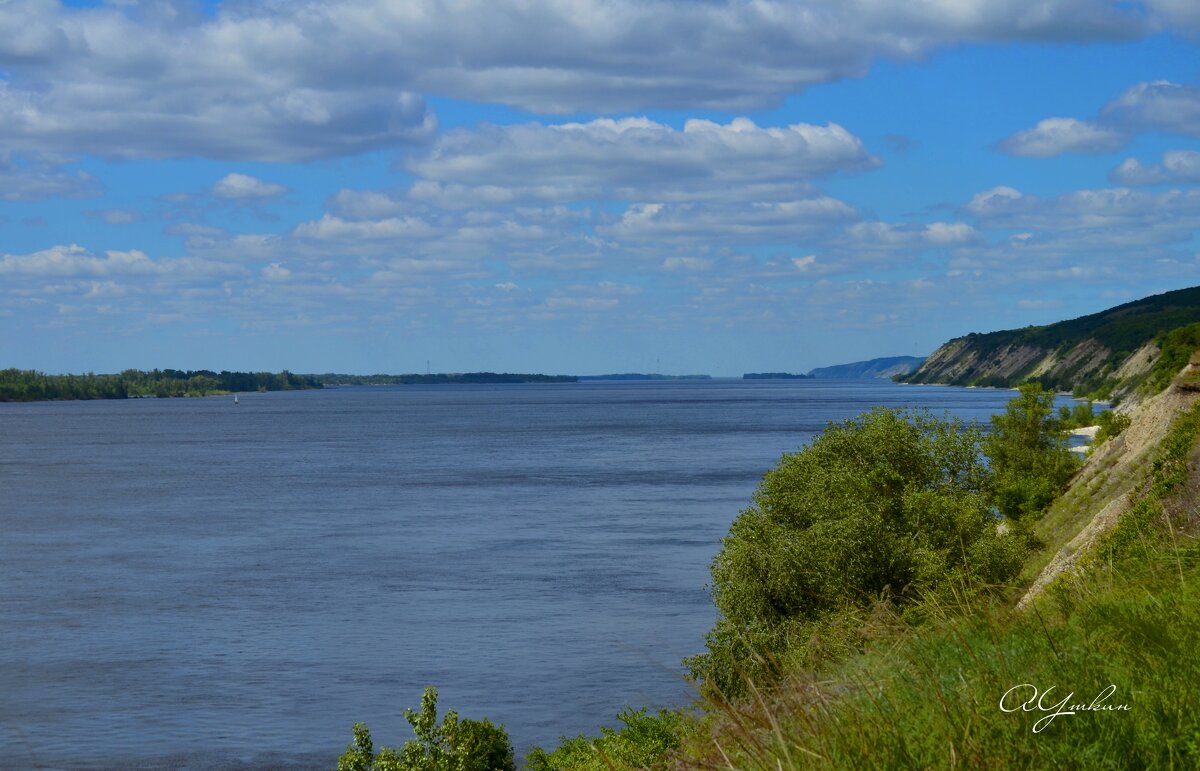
(190, 583)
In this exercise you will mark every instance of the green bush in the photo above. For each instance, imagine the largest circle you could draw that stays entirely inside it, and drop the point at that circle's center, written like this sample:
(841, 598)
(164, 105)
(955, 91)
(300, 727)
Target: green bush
(1111, 425)
(883, 508)
(455, 745)
(1027, 450)
(1175, 348)
(1079, 416)
(643, 742)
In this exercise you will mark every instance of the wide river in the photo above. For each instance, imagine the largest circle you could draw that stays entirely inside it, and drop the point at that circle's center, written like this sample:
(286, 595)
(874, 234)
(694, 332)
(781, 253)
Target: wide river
(190, 583)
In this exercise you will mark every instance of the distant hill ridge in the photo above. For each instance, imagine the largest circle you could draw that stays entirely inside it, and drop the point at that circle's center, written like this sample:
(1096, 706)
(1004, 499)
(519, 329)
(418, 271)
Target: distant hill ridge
(887, 366)
(1110, 352)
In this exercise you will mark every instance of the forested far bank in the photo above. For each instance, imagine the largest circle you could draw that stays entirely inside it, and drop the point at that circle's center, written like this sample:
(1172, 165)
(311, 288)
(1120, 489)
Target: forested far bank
(440, 378)
(18, 385)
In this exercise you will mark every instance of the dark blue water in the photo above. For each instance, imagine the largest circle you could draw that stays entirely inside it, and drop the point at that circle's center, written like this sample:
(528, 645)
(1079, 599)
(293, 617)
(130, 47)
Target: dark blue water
(193, 583)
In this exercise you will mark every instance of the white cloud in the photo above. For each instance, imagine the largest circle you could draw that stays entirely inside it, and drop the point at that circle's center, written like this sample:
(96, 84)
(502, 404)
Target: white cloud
(308, 79)
(687, 263)
(242, 187)
(193, 229)
(947, 233)
(276, 272)
(627, 158)
(26, 177)
(1122, 212)
(1177, 167)
(1157, 106)
(332, 228)
(74, 260)
(778, 221)
(888, 236)
(1097, 234)
(1055, 136)
(997, 198)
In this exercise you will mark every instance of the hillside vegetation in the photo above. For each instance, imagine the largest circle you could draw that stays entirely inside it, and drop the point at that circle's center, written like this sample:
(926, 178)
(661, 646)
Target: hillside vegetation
(1111, 353)
(891, 600)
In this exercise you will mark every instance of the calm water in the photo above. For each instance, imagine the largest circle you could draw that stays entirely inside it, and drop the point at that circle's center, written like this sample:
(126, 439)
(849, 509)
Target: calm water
(190, 583)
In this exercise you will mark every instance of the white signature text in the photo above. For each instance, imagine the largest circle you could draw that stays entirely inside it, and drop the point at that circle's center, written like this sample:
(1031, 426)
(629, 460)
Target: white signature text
(1029, 698)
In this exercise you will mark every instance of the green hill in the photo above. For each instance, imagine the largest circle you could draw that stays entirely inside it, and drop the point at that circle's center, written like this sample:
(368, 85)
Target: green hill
(1111, 352)
(888, 366)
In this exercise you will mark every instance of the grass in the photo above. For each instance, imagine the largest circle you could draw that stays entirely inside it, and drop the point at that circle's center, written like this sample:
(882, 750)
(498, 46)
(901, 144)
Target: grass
(935, 689)
(931, 696)
(931, 699)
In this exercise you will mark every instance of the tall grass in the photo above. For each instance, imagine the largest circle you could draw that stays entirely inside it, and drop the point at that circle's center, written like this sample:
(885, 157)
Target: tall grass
(932, 698)
(954, 680)
(1123, 636)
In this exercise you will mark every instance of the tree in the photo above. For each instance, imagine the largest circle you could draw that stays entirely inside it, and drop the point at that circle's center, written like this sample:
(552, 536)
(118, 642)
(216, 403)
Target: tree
(1027, 449)
(455, 745)
(886, 506)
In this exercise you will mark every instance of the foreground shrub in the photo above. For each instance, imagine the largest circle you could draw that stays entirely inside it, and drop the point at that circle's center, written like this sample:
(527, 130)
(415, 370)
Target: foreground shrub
(643, 742)
(1027, 448)
(881, 509)
(455, 745)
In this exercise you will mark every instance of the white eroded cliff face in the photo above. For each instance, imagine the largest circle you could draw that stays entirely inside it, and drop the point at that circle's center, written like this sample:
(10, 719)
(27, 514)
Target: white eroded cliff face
(1112, 476)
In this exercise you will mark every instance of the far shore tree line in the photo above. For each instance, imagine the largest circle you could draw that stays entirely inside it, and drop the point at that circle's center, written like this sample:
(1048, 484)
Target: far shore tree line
(18, 385)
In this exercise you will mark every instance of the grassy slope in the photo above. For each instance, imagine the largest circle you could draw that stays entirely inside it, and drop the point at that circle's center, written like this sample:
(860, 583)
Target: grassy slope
(929, 697)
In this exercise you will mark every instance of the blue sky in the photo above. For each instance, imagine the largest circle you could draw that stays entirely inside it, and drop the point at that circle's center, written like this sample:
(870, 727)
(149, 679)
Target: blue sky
(582, 186)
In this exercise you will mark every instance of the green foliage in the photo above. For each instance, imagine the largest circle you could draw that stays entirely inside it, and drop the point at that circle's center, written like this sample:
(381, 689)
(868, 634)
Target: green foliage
(1027, 450)
(454, 745)
(1122, 329)
(931, 699)
(1176, 348)
(1111, 425)
(1140, 531)
(29, 385)
(1079, 416)
(886, 507)
(643, 742)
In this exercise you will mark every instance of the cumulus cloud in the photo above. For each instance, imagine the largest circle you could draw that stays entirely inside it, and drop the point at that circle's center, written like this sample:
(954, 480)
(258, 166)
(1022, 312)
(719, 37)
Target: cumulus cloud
(889, 235)
(313, 79)
(242, 187)
(26, 177)
(1176, 167)
(1159, 106)
(1085, 209)
(1055, 136)
(331, 228)
(687, 263)
(276, 272)
(778, 221)
(75, 260)
(1106, 230)
(630, 157)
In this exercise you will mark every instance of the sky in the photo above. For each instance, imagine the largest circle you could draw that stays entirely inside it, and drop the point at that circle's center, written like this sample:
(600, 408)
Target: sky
(582, 186)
